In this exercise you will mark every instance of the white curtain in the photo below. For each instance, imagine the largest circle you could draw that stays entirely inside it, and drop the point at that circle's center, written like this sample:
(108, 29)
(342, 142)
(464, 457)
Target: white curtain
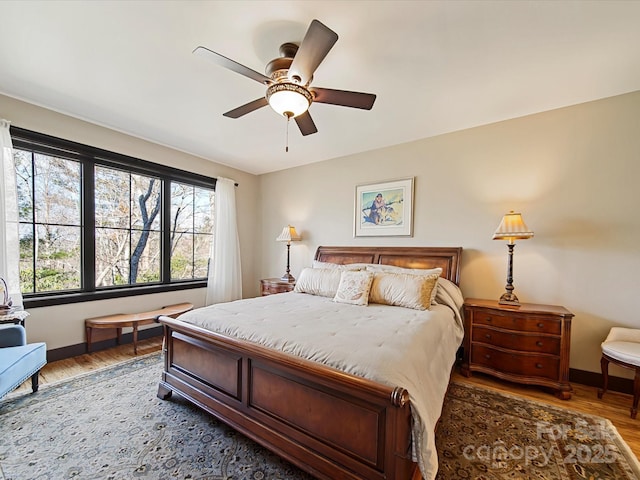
(225, 277)
(9, 244)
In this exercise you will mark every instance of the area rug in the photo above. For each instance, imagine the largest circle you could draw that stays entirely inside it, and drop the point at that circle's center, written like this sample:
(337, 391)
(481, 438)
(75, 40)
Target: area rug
(109, 424)
(487, 435)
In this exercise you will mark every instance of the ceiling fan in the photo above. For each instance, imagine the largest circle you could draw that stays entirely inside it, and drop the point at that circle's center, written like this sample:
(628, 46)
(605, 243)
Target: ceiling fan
(288, 79)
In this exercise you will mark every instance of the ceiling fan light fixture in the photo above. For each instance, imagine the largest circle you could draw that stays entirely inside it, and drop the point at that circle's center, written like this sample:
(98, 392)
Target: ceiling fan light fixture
(288, 99)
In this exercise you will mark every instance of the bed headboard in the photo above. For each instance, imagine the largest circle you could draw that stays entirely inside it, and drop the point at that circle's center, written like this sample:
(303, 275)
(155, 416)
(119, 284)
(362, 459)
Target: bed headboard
(447, 258)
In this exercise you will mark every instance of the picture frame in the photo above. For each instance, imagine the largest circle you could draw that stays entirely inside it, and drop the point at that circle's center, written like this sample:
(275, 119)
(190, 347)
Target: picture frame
(384, 209)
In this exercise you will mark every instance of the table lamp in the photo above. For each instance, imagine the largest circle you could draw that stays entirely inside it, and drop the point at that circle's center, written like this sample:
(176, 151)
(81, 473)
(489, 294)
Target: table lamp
(288, 235)
(511, 228)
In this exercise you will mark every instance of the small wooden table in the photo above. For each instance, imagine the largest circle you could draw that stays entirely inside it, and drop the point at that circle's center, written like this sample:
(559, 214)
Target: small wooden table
(270, 286)
(16, 315)
(133, 320)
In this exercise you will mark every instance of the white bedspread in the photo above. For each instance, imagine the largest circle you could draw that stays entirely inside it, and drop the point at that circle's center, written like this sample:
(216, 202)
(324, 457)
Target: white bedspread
(395, 346)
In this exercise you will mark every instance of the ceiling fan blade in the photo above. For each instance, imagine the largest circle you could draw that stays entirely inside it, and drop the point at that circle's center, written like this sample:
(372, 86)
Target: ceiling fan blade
(344, 98)
(247, 108)
(231, 65)
(305, 123)
(317, 42)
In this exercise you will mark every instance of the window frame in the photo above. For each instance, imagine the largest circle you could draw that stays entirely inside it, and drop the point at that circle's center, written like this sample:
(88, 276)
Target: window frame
(89, 157)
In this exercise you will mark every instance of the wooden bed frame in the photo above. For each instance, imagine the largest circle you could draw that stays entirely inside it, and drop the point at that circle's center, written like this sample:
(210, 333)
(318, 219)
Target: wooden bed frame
(328, 423)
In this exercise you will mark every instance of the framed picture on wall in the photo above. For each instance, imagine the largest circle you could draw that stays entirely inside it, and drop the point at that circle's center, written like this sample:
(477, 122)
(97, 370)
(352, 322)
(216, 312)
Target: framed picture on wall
(384, 209)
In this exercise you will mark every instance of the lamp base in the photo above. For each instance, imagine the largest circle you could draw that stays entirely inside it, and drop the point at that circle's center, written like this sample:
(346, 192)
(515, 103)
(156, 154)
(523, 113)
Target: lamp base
(287, 277)
(509, 298)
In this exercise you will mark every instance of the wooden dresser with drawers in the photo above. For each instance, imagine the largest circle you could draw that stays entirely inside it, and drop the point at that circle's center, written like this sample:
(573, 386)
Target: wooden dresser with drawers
(527, 344)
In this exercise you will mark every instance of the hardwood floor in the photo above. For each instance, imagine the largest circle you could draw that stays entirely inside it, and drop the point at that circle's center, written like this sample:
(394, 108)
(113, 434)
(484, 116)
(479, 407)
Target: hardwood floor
(614, 406)
(56, 371)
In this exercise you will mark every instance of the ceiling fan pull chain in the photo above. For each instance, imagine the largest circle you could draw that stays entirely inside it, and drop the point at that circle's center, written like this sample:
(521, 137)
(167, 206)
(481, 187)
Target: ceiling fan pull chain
(286, 148)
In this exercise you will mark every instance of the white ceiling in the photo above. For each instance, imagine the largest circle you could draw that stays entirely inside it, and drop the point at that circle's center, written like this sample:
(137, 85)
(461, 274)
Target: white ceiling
(436, 66)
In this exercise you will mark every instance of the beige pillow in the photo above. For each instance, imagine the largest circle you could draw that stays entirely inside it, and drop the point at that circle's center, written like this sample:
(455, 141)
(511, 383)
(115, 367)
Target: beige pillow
(316, 281)
(354, 287)
(336, 266)
(379, 267)
(404, 290)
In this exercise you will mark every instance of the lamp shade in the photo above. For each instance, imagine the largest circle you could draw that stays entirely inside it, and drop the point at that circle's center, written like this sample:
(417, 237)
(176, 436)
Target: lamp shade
(512, 228)
(288, 234)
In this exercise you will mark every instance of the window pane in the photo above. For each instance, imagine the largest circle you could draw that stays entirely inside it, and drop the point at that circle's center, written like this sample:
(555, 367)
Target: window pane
(201, 251)
(57, 190)
(191, 231)
(111, 197)
(203, 210)
(145, 259)
(182, 257)
(181, 208)
(145, 202)
(49, 203)
(27, 279)
(112, 257)
(58, 258)
(24, 184)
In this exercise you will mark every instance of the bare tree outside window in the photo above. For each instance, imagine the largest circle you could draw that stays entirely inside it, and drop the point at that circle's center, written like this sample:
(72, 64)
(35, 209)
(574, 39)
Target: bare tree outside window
(128, 244)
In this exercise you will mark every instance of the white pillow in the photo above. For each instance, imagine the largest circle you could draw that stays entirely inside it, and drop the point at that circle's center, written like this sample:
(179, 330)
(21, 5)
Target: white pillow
(336, 266)
(317, 281)
(404, 290)
(448, 292)
(354, 287)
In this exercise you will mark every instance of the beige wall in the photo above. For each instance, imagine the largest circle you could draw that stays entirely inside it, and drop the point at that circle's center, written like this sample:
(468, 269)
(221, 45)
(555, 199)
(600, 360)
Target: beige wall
(63, 325)
(573, 173)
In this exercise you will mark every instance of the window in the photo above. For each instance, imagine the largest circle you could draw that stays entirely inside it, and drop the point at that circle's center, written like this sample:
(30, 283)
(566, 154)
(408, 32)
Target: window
(50, 222)
(96, 224)
(128, 233)
(191, 227)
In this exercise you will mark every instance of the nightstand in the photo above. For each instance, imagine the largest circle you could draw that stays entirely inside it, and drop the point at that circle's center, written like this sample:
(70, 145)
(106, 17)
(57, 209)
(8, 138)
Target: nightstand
(16, 315)
(270, 286)
(527, 344)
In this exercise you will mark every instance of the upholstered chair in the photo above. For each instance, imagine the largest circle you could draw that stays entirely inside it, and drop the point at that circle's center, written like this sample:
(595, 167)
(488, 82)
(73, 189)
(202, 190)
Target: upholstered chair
(19, 360)
(622, 347)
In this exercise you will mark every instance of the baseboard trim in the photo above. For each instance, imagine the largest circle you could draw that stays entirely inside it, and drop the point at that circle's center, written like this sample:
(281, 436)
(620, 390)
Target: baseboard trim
(81, 348)
(594, 379)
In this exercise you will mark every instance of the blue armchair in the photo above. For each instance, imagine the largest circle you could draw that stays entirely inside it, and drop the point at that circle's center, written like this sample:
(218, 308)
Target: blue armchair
(19, 360)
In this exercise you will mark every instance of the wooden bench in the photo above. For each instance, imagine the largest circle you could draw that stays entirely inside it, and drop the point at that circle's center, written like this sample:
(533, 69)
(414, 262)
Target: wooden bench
(133, 320)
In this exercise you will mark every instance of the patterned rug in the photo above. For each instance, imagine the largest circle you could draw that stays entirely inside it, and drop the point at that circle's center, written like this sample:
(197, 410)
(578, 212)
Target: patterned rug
(109, 424)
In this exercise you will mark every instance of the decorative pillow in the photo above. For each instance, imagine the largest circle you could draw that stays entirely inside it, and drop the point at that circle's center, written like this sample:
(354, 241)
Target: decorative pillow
(316, 281)
(336, 266)
(379, 267)
(404, 290)
(354, 287)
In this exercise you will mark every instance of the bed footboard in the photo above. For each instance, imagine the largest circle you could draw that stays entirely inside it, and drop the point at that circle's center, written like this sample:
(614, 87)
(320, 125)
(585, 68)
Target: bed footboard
(326, 422)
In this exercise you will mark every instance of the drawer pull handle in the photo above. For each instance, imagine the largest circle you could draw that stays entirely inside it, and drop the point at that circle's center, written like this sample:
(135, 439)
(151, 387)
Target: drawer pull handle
(539, 344)
(489, 319)
(487, 356)
(540, 325)
(487, 335)
(538, 365)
